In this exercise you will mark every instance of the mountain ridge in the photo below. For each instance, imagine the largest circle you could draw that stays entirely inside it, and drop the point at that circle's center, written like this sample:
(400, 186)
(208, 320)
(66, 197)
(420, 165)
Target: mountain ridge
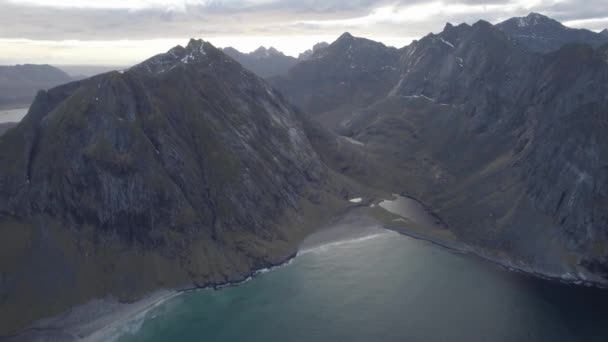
(539, 33)
(473, 116)
(264, 62)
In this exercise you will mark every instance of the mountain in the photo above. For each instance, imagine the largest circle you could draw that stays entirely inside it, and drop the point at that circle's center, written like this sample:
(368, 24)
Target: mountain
(349, 73)
(542, 34)
(506, 146)
(604, 33)
(308, 54)
(20, 83)
(186, 170)
(264, 62)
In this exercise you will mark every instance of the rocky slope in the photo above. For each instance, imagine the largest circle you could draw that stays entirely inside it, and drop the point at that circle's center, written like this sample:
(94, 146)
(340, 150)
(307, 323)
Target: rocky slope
(186, 170)
(264, 62)
(505, 145)
(539, 33)
(20, 83)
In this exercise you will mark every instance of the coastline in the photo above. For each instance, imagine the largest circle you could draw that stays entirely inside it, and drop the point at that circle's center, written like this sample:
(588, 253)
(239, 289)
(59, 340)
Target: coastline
(102, 320)
(106, 319)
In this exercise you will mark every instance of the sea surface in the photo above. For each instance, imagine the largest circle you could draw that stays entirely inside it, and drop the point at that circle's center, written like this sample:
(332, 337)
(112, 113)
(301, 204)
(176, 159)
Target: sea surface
(12, 115)
(377, 285)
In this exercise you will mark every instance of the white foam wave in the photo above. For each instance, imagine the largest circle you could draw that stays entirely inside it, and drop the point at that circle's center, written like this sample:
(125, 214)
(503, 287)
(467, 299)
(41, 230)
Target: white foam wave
(131, 325)
(331, 245)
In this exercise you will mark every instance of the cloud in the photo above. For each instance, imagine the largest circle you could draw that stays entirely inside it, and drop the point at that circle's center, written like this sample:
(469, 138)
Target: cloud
(252, 20)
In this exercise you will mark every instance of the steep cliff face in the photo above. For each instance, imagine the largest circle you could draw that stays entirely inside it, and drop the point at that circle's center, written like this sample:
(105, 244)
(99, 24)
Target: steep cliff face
(186, 170)
(565, 167)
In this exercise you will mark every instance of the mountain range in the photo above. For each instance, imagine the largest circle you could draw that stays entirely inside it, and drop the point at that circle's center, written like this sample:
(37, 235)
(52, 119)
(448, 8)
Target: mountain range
(264, 62)
(505, 144)
(188, 170)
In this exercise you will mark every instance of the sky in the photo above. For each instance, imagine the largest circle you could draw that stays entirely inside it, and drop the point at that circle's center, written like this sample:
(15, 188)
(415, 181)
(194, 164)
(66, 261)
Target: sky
(123, 32)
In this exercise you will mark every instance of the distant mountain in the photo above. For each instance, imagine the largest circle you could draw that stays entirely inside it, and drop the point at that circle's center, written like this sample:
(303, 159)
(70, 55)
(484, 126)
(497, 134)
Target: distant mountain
(20, 83)
(310, 52)
(604, 33)
(508, 147)
(539, 33)
(79, 72)
(264, 62)
(186, 170)
(349, 73)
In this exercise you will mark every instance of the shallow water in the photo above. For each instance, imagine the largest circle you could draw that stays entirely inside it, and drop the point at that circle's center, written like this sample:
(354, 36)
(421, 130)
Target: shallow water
(381, 287)
(12, 115)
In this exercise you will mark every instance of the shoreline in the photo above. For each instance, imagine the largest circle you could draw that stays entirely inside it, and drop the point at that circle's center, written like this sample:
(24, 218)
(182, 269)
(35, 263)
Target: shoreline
(107, 319)
(462, 247)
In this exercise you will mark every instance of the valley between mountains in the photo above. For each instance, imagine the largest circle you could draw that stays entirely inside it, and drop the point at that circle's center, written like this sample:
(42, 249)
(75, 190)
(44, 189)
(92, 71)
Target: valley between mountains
(189, 170)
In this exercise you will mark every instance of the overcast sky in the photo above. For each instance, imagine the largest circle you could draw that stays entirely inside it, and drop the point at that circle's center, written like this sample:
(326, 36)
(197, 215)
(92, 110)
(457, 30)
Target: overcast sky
(122, 32)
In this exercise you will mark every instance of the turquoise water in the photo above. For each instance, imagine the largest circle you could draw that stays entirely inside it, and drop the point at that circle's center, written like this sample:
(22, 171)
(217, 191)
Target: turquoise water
(386, 287)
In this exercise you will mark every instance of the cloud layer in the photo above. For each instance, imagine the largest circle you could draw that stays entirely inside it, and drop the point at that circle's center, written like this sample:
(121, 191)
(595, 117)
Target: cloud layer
(282, 21)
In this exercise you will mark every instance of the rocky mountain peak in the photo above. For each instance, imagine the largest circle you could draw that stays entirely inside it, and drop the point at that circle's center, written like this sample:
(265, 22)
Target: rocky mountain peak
(539, 33)
(197, 51)
(263, 52)
(604, 33)
(346, 36)
(535, 19)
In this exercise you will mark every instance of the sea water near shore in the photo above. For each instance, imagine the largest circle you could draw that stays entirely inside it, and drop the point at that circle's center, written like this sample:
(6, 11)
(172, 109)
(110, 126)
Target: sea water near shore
(381, 287)
(355, 281)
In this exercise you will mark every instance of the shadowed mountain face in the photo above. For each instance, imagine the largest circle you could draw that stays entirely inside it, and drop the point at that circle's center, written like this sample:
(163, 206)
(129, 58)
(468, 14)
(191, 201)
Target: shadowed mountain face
(507, 146)
(19, 84)
(264, 62)
(538, 33)
(186, 170)
(350, 73)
